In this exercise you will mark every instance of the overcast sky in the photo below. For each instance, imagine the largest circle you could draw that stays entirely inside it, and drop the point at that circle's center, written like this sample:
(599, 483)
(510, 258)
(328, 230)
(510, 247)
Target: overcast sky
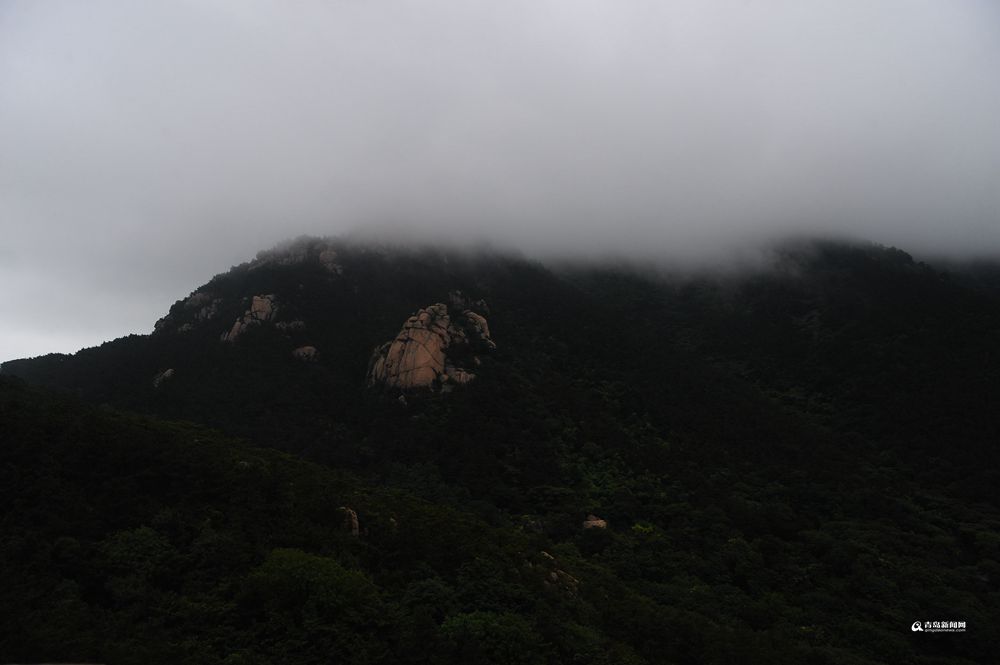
(145, 146)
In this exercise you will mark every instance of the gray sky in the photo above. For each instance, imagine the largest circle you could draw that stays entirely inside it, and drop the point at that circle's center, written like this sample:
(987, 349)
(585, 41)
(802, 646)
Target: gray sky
(145, 146)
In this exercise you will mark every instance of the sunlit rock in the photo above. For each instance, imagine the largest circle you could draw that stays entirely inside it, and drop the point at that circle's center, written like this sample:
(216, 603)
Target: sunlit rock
(424, 354)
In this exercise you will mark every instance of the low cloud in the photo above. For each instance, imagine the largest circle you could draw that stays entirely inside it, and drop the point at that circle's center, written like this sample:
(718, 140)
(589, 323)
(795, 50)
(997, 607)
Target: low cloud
(146, 146)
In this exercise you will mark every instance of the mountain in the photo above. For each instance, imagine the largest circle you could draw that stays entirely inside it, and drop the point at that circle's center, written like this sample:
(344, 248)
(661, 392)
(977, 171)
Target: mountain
(789, 462)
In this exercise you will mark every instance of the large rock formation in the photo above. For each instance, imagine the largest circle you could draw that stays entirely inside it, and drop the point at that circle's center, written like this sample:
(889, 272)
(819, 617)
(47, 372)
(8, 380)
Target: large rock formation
(431, 348)
(262, 308)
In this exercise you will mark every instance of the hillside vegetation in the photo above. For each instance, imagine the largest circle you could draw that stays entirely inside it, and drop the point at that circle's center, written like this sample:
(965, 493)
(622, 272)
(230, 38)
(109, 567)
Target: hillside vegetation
(793, 464)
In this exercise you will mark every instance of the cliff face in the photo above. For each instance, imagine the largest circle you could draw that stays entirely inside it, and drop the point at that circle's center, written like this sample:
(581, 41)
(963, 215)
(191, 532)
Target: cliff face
(432, 347)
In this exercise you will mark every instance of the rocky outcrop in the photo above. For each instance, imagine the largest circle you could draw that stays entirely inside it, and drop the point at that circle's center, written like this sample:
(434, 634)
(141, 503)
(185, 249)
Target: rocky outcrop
(480, 327)
(417, 356)
(431, 349)
(205, 305)
(594, 522)
(197, 308)
(262, 309)
(305, 353)
(350, 522)
(165, 375)
(197, 299)
(552, 575)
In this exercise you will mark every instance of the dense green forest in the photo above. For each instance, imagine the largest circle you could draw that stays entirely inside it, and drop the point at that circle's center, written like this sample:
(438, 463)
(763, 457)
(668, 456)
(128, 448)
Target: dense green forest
(794, 462)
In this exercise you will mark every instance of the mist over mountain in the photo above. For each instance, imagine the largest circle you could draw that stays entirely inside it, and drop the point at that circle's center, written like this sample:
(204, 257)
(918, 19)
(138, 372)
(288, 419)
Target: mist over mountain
(521, 333)
(676, 131)
(484, 459)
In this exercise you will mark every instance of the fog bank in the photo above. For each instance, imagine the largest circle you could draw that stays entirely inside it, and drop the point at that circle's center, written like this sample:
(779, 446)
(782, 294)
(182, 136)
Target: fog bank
(146, 146)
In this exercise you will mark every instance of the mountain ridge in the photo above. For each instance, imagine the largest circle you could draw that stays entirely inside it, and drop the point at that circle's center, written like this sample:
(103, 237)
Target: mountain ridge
(763, 454)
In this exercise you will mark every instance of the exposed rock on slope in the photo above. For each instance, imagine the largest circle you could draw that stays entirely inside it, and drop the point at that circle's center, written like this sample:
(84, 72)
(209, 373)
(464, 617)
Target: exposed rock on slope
(417, 356)
(206, 305)
(302, 255)
(198, 307)
(553, 576)
(351, 522)
(262, 308)
(165, 375)
(306, 353)
(430, 349)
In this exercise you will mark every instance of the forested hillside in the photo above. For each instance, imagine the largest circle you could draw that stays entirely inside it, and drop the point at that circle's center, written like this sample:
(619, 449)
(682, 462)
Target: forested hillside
(789, 464)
